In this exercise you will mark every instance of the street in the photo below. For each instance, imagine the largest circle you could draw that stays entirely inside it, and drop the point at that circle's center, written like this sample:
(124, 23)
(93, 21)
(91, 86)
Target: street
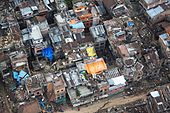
(113, 102)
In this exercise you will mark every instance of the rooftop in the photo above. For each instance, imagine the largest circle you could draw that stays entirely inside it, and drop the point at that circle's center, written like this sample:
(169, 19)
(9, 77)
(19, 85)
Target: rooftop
(120, 80)
(155, 94)
(120, 10)
(76, 97)
(72, 77)
(76, 25)
(55, 35)
(27, 11)
(56, 79)
(98, 33)
(152, 1)
(166, 39)
(129, 61)
(155, 11)
(111, 73)
(152, 58)
(35, 33)
(95, 66)
(35, 82)
(59, 18)
(123, 50)
(130, 49)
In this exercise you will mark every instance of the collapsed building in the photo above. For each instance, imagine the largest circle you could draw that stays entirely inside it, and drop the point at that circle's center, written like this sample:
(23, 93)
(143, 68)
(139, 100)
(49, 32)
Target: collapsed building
(68, 50)
(164, 41)
(55, 86)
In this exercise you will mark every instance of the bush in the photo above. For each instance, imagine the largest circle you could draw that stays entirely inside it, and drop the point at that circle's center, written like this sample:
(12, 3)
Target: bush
(69, 4)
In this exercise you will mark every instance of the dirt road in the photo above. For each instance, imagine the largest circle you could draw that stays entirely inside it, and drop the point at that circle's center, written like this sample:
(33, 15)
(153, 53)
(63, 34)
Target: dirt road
(110, 103)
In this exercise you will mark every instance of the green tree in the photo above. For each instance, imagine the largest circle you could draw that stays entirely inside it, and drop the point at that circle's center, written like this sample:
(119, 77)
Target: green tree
(77, 92)
(69, 4)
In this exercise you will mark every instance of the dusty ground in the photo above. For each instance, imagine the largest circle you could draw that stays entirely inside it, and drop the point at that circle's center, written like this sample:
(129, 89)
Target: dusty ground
(5, 107)
(112, 102)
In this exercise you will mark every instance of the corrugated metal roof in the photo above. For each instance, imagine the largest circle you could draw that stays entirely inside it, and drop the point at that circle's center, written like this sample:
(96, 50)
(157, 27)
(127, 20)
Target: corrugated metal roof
(155, 94)
(163, 36)
(150, 1)
(26, 11)
(155, 11)
(36, 33)
(96, 66)
(120, 80)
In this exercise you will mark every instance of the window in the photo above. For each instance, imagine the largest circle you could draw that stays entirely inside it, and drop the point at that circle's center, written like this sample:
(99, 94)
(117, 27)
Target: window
(102, 44)
(38, 93)
(62, 96)
(58, 91)
(138, 78)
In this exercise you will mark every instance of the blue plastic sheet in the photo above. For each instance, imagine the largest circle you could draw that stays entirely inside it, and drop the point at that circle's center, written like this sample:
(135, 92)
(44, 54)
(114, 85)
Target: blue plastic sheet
(130, 24)
(21, 75)
(48, 53)
(42, 104)
(78, 25)
(15, 75)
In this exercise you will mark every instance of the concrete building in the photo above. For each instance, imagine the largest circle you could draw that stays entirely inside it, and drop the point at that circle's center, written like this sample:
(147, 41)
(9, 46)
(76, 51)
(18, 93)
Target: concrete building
(120, 11)
(33, 37)
(59, 20)
(26, 12)
(116, 84)
(43, 24)
(19, 61)
(78, 92)
(56, 39)
(34, 85)
(56, 85)
(130, 68)
(35, 34)
(156, 102)
(103, 89)
(87, 12)
(64, 28)
(148, 4)
(99, 35)
(32, 33)
(152, 59)
(77, 28)
(164, 40)
(154, 14)
(127, 50)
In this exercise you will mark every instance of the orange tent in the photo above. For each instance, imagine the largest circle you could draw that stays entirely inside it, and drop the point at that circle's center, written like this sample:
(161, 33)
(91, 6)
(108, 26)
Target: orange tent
(96, 66)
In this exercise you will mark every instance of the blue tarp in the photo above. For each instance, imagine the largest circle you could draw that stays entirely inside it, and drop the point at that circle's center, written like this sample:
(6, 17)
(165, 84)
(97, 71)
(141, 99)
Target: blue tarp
(15, 75)
(48, 53)
(130, 24)
(78, 25)
(42, 104)
(21, 75)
